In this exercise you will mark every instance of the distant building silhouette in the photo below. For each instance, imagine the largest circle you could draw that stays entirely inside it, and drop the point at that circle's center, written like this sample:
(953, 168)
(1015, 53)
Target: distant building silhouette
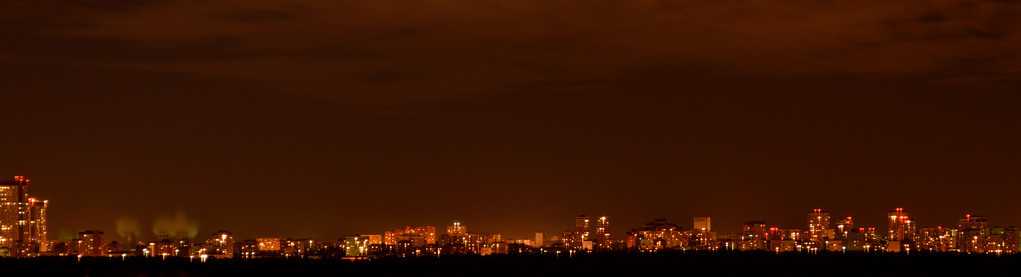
(22, 219)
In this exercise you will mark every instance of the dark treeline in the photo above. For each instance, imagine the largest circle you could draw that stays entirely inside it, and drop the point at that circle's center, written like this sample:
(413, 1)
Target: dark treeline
(609, 264)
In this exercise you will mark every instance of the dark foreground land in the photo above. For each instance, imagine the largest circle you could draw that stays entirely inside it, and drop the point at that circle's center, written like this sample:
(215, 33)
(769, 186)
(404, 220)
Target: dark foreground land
(663, 264)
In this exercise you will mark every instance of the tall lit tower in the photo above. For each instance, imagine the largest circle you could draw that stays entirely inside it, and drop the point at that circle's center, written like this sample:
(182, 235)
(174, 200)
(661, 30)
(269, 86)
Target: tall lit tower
(37, 225)
(901, 227)
(223, 243)
(581, 227)
(602, 234)
(971, 233)
(844, 227)
(818, 222)
(14, 215)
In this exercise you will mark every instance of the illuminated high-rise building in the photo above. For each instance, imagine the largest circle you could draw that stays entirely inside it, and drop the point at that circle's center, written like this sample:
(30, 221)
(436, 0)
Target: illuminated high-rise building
(540, 239)
(248, 248)
(269, 244)
(38, 239)
(223, 244)
(361, 245)
(843, 229)
(972, 222)
(755, 229)
(702, 234)
(1011, 240)
(844, 226)
(417, 236)
(457, 229)
(581, 227)
(936, 239)
(656, 236)
(356, 246)
(818, 222)
(602, 232)
(900, 225)
(163, 247)
(753, 236)
(702, 224)
(15, 233)
(91, 243)
(972, 231)
(374, 239)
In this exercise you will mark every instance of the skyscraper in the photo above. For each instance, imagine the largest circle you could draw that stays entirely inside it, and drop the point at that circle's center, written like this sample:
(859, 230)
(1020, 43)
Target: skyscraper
(540, 239)
(753, 236)
(91, 243)
(15, 232)
(844, 226)
(818, 222)
(900, 227)
(971, 233)
(603, 227)
(581, 227)
(38, 241)
(223, 244)
(602, 233)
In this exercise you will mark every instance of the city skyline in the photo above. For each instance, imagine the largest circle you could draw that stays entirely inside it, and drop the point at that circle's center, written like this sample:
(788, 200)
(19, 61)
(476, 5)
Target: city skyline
(322, 119)
(510, 138)
(24, 224)
(621, 230)
(113, 225)
(595, 228)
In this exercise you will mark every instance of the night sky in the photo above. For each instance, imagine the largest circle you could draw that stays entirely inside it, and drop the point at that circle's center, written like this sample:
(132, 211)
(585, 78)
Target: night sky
(325, 119)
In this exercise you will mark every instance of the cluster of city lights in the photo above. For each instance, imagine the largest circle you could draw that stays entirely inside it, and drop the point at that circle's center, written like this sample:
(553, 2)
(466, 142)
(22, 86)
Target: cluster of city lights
(23, 234)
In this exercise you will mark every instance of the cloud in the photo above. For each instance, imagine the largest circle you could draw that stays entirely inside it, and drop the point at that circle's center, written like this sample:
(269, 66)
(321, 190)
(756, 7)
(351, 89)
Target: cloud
(397, 50)
(127, 225)
(175, 224)
(257, 15)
